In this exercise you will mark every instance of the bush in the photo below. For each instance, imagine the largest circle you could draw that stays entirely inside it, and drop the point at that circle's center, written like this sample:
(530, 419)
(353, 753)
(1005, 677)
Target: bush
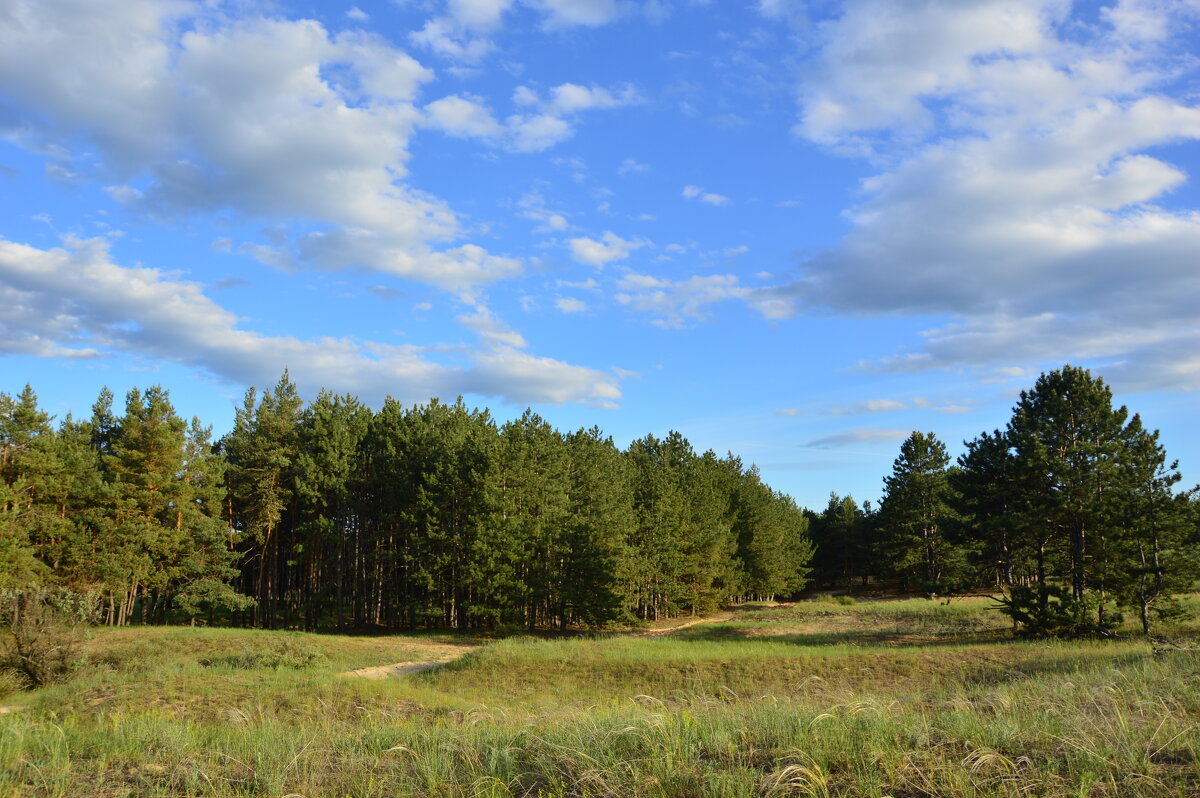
(11, 682)
(42, 632)
(285, 654)
(1052, 611)
(845, 601)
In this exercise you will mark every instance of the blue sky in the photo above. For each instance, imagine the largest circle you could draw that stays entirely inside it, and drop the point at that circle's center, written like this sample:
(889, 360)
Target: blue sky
(797, 231)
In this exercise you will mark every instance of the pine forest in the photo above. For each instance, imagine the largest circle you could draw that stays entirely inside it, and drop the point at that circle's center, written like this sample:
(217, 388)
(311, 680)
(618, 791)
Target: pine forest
(333, 516)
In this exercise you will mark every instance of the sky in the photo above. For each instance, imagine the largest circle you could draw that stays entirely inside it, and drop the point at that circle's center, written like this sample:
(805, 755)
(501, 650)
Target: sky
(797, 231)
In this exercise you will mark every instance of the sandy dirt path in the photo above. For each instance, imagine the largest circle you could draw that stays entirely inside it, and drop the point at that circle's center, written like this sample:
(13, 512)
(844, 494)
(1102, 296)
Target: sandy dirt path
(441, 654)
(720, 617)
(436, 655)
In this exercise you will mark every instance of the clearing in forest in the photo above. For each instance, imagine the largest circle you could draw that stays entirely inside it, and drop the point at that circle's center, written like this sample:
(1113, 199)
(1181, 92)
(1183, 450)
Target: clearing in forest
(819, 698)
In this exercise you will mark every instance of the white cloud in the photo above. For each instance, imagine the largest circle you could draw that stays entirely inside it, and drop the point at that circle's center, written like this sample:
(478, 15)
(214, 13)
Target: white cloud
(533, 206)
(697, 193)
(632, 166)
(537, 132)
(570, 98)
(575, 13)
(268, 256)
(75, 302)
(675, 303)
(869, 406)
(484, 14)
(547, 124)
(272, 119)
(463, 116)
(357, 14)
(461, 33)
(782, 9)
(1022, 201)
(584, 285)
(570, 305)
(881, 58)
(611, 247)
(443, 38)
(492, 330)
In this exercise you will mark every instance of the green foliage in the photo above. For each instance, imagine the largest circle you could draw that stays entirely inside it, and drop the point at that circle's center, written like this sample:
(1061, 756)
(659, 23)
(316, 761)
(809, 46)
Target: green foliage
(917, 517)
(42, 632)
(1041, 611)
(330, 515)
(282, 654)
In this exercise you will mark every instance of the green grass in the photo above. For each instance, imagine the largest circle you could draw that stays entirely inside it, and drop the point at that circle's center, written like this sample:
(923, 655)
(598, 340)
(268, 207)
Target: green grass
(899, 698)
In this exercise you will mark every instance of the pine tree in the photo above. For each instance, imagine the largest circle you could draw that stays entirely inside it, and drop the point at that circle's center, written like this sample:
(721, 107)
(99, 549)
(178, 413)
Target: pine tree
(262, 450)
(329, 469)
(917, 515)
(596, 537)
(1160, 550)
(841, 546)
(1070, 443)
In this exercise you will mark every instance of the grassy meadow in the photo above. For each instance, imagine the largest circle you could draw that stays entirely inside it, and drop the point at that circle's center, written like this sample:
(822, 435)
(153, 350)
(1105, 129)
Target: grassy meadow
(887, 698)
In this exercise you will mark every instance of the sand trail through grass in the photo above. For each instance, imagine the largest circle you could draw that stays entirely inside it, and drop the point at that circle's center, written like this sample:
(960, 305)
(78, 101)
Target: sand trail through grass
(900, 698)
(724, 616)
(437, 655)
(442, 654)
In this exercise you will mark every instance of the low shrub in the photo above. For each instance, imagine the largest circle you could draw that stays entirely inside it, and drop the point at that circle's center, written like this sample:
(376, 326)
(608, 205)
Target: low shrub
(11, 681)
(282, 655)
(42, 632)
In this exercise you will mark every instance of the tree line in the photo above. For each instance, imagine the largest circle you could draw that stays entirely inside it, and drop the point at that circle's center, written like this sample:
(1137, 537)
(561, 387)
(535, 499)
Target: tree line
(332, 515)
(1071, 513)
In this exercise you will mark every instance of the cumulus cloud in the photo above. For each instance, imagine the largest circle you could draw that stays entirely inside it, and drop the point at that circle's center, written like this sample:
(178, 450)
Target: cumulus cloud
(611, 247)
(462, 33)
(272, 119)
(1025, 201)
(463, 116)
(75, 302)
(570, 98)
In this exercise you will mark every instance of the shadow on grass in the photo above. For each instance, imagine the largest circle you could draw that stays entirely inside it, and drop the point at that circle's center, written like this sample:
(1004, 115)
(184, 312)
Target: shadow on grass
(889, 637)
(992, 672)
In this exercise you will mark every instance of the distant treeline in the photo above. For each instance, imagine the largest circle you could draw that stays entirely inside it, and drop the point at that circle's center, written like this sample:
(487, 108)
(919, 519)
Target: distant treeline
(331, 515)
(1071, 510)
